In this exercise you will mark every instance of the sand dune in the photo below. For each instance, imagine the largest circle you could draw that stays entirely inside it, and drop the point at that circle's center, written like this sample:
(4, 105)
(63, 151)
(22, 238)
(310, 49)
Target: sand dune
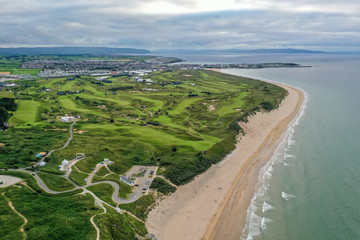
(214, 205)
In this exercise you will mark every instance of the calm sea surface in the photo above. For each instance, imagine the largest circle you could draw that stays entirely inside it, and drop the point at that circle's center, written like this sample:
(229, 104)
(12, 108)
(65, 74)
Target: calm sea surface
(311, 188)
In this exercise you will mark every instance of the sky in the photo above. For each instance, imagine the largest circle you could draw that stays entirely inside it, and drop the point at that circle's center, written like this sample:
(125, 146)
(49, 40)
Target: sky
(329, 25)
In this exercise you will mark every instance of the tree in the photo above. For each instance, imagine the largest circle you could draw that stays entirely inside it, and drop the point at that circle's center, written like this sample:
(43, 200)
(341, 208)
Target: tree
(3, 116)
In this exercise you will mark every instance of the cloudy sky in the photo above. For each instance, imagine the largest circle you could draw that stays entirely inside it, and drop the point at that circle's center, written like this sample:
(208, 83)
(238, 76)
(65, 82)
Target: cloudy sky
(182, 24)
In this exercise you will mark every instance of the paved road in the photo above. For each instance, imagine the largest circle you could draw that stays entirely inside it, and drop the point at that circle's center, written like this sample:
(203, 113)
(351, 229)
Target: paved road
(115, 195)
(66, 144)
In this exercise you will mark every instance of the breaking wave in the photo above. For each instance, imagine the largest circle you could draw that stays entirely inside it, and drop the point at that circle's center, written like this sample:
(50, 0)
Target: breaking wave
(256, 222)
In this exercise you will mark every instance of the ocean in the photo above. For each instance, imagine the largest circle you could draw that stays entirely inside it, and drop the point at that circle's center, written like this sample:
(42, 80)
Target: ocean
(310, 189)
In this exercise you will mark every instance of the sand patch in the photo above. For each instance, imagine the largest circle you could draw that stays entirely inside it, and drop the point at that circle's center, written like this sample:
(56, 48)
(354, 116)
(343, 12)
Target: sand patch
(211, 108)
(187, 75)
(2, 145)
(5, 73)
(81, 131)
(8, 180)
(56, 129)
(214, 205)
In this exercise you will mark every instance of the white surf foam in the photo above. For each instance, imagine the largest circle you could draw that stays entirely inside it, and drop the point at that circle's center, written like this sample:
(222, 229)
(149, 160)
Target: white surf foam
(266, 207)
(255, 224)
(287, 196)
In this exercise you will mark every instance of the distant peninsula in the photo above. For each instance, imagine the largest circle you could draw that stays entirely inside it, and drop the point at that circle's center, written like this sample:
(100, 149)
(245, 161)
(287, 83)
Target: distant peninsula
(70, 50)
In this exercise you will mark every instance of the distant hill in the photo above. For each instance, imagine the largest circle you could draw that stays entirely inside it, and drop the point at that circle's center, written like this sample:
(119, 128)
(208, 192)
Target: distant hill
(70, 51)
(286, 50)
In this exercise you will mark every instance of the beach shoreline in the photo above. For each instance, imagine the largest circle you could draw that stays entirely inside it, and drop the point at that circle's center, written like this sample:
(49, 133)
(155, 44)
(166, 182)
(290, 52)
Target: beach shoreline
(214, 205)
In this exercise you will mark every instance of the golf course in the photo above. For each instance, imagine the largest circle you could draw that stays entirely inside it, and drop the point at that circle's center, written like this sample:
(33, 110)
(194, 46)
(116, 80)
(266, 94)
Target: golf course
(181, 122)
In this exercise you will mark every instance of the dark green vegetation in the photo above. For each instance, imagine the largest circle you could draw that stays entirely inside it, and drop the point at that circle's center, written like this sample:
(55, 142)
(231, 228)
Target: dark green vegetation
(141, 207)
(162, 186)
(185, 125)
(50, 217)
(23, 143)
(6, 105)
(55, 182)
(115, 226)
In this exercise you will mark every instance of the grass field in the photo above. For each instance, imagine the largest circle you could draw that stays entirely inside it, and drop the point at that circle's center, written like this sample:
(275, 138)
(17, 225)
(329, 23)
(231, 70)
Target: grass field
(55, 182)
(188, 124)
(103, 191)
(27, 112)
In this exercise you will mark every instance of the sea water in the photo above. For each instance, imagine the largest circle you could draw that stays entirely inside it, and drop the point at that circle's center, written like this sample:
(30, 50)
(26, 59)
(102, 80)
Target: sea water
(311, 187)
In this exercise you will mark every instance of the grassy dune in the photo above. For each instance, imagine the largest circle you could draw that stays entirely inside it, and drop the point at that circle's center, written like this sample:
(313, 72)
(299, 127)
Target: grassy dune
(184, 127)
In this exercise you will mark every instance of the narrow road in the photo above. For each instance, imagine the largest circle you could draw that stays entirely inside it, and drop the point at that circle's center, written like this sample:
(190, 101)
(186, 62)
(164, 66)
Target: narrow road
(66, 144)
(115, 195)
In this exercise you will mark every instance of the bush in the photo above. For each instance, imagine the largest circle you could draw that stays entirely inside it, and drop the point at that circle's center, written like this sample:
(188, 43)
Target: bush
(162, 186)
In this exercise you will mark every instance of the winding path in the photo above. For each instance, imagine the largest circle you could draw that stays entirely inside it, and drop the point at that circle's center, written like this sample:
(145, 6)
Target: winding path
(66, 144)
(24, 235)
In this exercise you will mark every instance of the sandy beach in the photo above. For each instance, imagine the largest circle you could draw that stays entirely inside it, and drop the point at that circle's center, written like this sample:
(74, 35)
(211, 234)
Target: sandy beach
(214, 205)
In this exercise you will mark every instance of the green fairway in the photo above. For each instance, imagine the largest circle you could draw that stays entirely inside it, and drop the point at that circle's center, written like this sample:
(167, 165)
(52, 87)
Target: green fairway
(27, 112)
(184, 125)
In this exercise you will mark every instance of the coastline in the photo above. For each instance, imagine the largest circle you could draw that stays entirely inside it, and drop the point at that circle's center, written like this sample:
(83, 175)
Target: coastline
(214, 205)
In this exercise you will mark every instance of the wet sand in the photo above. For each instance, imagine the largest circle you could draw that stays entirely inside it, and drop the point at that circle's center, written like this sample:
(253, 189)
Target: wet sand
(214, 205)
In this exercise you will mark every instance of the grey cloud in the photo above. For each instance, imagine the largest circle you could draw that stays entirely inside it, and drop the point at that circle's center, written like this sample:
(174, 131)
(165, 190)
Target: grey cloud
(118, 24)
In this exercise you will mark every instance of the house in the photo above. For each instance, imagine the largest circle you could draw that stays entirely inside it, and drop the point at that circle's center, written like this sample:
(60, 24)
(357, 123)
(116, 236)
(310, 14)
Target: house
(65, 162)
(61, 93)
(63, 166)
(67, 119)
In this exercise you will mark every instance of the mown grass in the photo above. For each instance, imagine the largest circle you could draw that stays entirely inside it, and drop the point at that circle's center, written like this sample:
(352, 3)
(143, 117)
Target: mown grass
(124, 189)
(171, 127)
(55, 182)
(26, 113)
(103, 191)
(25, 71)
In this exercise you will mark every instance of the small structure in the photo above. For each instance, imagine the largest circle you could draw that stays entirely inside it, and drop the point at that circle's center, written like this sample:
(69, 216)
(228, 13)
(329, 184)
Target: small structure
(126, 180)
(41, 154)
(102, 106)
(80, 155)
(43, 163)
(63, 166)
(67, 119)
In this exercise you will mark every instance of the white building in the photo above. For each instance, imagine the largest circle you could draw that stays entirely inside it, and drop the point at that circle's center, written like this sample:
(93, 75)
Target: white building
(67, 119)
(63, 166)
